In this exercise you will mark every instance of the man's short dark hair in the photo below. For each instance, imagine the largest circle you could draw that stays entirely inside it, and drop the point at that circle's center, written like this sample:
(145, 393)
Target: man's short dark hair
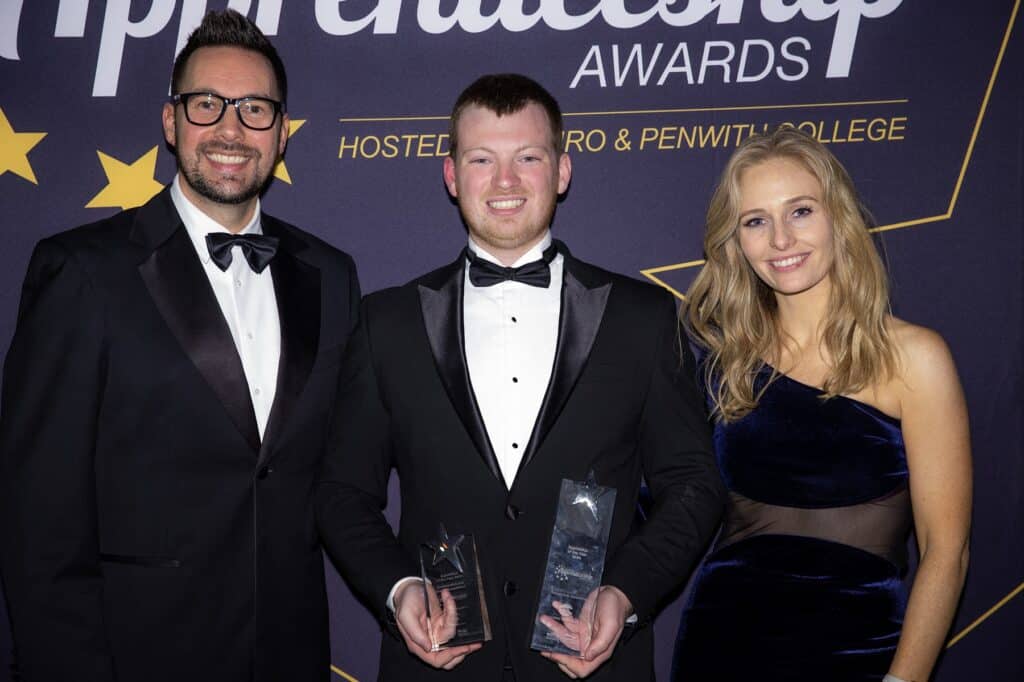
(503, 94)
(229, 29)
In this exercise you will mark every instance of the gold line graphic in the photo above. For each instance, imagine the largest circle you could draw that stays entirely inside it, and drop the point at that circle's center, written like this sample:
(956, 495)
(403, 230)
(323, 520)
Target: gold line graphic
(376, 119)
(749, 107)
(678, 266)
(984, 105)
(980, 619)
(641, 112)
(974, 136)
(342, 674)
(650, 273)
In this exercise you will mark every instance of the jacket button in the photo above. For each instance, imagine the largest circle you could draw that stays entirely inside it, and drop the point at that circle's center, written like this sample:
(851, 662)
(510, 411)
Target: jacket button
(512, 512)
(510, 588)
(263, 472)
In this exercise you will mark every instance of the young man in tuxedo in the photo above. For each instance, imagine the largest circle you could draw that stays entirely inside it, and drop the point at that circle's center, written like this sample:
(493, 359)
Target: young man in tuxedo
(165, 409)
(487, 382)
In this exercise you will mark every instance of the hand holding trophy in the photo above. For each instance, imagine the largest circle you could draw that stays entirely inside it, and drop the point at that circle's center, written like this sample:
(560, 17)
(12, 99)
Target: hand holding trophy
(419, 630)
(578, 620)
(443, 617)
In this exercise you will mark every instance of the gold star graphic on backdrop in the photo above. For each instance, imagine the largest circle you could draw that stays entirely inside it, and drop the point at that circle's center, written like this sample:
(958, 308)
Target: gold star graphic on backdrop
(281, 170)
(128, 185)
(14, 149)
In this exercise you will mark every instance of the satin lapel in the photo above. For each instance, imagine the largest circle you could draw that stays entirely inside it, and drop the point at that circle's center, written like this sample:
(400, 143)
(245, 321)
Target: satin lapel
(182, 293)
(582, 310)
(297, 289)
(442, 317)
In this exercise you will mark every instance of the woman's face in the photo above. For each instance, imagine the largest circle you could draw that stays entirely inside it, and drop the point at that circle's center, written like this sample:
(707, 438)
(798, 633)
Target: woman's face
(784, 230)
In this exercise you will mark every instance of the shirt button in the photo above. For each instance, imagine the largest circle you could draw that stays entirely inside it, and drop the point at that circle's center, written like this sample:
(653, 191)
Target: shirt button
(238, 282)
(248, 335)
(514, 319)
(515, 446)
(515, 380)
(256, 391)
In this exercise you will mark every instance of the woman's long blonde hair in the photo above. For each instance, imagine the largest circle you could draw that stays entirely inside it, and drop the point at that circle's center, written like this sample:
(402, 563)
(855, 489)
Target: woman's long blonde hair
(732, 313)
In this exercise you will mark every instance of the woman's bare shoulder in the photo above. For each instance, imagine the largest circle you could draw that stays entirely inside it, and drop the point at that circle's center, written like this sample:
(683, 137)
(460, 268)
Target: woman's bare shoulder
(923, 357)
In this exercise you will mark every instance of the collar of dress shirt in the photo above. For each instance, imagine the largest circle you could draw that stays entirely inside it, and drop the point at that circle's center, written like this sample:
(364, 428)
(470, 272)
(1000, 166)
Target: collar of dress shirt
(533, 254)
(198, 224)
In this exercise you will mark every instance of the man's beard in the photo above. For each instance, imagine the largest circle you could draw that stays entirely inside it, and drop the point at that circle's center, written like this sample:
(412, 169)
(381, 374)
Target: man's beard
(195, 179)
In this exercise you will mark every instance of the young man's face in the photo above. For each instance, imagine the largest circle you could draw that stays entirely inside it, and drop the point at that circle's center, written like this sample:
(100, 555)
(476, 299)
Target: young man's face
(506, 176)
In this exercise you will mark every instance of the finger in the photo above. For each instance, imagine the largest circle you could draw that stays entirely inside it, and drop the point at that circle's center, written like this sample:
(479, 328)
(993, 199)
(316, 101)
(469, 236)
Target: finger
(414, 633)
(461, 650)
(569, 673)
(445, 654)
(454, 662)
(557, 629)
(580, 627)
(417, 646)
(451, 617)
(567, 637)
(590, 604)
(434, 618)
(433, 603)
(603, 640)
(608, 625)
(449, 658)
(410, 617)
(441, 630)
(419, 652)
(578, 667)
(564, 610)
(562, 659)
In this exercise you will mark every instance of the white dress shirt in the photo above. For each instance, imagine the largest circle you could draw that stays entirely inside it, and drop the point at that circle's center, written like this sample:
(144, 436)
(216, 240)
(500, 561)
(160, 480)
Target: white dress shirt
(511, 333)
(246, 300)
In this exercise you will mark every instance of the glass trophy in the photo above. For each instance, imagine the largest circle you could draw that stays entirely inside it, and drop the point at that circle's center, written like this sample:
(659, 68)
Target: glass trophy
(450, 563)
(579, 541)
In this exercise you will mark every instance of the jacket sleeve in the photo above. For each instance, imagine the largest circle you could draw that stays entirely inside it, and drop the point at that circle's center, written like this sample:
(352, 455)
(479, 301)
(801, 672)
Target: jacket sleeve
(352, 491)
(52, 392)
(680, 471)
(354, 295)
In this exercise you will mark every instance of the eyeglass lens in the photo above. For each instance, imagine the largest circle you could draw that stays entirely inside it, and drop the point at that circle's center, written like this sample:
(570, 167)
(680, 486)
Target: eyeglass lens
(257, 113)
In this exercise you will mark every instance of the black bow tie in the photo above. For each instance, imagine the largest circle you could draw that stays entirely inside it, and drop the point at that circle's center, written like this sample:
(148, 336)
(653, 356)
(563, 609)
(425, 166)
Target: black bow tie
(484, 273)
(258, 249)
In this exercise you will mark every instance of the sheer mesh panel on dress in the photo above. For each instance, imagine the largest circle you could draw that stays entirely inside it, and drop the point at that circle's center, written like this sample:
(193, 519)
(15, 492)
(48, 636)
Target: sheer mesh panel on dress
(879, 526)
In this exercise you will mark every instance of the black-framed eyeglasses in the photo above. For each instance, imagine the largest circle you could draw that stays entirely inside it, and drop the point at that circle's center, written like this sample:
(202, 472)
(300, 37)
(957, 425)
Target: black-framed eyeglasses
(207, 108)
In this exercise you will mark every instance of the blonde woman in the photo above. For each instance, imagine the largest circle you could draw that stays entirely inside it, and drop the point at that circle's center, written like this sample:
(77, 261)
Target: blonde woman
(838, 427)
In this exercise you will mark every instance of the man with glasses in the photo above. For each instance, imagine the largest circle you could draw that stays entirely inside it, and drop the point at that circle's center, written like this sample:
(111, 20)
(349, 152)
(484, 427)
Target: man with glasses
(165, 405)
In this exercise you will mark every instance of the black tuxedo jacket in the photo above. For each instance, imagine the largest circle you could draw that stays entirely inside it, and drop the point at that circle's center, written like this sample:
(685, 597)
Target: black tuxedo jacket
(621, 402)
(147, 532)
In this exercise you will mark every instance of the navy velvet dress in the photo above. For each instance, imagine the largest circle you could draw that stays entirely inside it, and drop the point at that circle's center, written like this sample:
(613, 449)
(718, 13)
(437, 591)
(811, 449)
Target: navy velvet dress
(805, 578)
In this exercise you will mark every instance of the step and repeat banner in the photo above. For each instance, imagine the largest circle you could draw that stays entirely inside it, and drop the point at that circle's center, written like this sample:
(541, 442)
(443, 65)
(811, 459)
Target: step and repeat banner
(921, 100)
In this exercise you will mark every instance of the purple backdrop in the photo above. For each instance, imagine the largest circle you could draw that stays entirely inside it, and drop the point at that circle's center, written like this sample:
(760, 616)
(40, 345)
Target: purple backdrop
(921, 100)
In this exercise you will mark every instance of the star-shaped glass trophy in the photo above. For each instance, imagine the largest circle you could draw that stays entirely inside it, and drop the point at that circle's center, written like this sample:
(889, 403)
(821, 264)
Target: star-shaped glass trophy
(453, 591)
(579, 542)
